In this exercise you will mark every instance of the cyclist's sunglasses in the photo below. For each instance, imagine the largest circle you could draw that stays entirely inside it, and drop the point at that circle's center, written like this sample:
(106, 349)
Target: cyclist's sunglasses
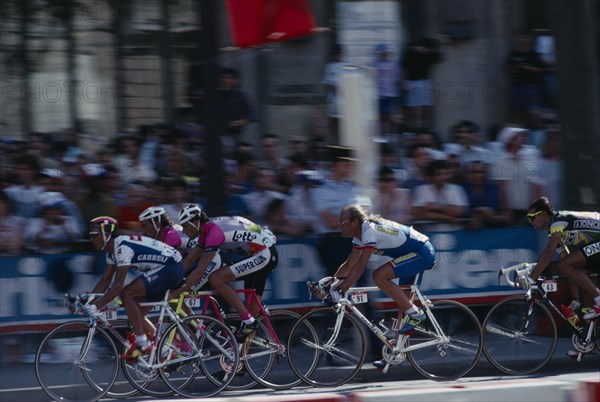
(92, 235)
(531, 216)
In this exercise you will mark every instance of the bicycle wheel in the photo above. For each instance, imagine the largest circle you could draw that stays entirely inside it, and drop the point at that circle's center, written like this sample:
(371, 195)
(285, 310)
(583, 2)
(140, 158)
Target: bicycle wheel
(519, 336)
(76, 363)
(447, 344)
(596, 324)
(144, 379)
(325, 348)
(193, 351)
(122, 388)
(273, 370)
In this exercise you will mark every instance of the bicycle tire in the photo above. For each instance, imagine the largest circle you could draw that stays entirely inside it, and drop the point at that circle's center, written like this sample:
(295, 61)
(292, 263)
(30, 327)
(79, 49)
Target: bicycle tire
(515, 343)
(280, 375)
(596, 324)
(196, 348)
(122, 388)
(319, 360)
(454, 357)
(67, 376)
(145, 380)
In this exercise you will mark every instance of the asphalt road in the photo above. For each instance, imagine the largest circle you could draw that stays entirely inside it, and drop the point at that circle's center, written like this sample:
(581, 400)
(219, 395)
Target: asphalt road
(555, 382)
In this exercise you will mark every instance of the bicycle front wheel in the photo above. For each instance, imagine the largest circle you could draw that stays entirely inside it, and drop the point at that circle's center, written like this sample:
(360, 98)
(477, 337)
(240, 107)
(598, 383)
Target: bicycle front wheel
(280, 374)
(326, 348)
(75, 362)
(448, 344)
(519, 336)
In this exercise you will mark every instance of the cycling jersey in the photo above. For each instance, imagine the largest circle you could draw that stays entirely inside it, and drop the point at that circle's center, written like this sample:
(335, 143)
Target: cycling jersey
(581, 230)
(159, 263)
(143, 253)
(575, 228)
(390, 238)
(235, 237)
(171, 237)
(241, 244)
(410, 251)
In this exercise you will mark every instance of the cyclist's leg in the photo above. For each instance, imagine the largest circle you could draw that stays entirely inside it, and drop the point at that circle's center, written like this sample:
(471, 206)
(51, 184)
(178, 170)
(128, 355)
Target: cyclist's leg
(404, 266)
(571, 267)
(220, 279)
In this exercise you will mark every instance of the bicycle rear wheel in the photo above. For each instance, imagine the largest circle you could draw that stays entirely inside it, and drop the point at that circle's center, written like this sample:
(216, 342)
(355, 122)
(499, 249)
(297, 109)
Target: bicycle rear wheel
(519, 336)
(76, 363)
(193, 351)
(280, 374)
(326, 349)
(455, 344)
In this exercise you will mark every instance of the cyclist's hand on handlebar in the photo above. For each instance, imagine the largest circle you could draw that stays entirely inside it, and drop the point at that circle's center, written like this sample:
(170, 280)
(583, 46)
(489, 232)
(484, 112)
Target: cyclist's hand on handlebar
(91, 310)
(525, 282)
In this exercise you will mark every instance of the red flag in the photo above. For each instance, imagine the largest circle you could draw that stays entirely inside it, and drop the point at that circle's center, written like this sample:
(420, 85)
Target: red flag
(254, 22)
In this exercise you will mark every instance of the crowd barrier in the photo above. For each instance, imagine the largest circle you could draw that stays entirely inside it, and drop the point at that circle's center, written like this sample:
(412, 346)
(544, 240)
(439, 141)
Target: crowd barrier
(32, 286)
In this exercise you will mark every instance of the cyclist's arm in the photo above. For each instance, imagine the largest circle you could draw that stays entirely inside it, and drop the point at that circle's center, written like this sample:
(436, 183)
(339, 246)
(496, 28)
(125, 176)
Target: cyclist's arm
(191, 258)
(546, 256)
(356, 264)
(104, 281)
(115, 289)
(196, 274)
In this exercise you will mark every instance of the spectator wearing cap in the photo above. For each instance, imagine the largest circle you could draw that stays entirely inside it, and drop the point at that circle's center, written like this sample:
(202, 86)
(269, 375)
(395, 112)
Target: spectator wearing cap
(336, 192)
(52, 232)
(388, 80)
(516, 170)
(438, 204)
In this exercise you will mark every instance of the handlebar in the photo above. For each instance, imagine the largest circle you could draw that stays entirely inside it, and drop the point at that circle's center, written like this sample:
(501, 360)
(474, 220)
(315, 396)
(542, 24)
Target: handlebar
(522, 272)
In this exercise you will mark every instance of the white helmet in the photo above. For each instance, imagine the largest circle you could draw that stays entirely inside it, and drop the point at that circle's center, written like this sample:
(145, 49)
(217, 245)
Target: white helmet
(154, 214)
(188, 213)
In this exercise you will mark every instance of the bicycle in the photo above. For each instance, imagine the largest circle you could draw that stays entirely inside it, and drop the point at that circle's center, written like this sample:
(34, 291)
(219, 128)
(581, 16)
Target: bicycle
(183, 356)
(520, 333)
(327, 346)
(263, 355)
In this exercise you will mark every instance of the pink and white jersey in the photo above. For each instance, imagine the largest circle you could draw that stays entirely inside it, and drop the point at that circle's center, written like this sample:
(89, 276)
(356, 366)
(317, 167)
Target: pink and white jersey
(143, 253)
(236, 234)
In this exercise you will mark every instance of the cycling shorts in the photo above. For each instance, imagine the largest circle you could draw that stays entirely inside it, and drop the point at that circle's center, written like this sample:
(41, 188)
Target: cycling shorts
(158, 283)
(591, 253)
(407, 266)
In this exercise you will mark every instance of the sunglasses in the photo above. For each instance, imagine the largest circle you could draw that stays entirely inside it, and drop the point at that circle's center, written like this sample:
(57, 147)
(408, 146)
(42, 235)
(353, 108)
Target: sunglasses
(92, 235)
(531, 216)
(344, 222)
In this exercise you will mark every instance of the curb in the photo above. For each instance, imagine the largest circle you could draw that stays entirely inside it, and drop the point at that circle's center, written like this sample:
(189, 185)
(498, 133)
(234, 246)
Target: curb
(587, 390)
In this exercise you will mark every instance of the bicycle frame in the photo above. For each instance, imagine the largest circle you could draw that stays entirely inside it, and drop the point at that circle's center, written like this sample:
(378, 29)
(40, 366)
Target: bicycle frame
(165, 310)
(345, 305)
(206, 301)
(537, 292)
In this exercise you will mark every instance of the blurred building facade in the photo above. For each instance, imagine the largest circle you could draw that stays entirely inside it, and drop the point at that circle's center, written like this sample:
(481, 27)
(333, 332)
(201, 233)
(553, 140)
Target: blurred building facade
(105, 66)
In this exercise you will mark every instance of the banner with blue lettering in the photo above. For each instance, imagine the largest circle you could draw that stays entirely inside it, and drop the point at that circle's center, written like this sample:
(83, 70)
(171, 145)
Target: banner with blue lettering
(32, 287)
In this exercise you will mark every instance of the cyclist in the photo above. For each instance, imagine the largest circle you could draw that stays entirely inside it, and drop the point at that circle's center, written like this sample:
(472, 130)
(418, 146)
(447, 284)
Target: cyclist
(227, 248)
(576, 237)
(158, 225)
(410, 253)
(160, 266)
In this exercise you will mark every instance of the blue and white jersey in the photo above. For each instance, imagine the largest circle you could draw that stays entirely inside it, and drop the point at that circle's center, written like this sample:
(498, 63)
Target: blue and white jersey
(389, 238)
(143, 253)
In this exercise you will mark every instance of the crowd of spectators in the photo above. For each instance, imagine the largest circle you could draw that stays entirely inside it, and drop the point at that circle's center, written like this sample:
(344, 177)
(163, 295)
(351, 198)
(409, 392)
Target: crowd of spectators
(50, 191)
(51, 186)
